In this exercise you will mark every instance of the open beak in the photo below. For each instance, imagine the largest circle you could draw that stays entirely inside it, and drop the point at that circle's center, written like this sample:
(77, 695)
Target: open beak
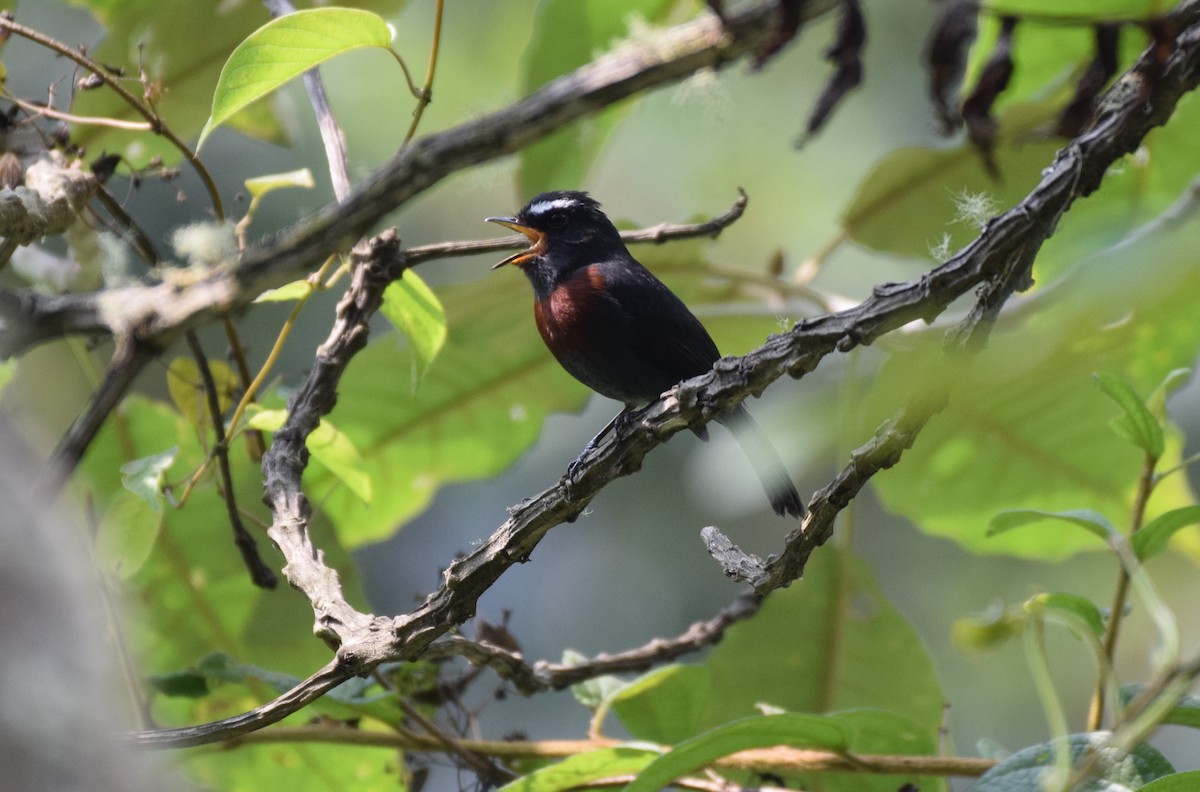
(537, 241)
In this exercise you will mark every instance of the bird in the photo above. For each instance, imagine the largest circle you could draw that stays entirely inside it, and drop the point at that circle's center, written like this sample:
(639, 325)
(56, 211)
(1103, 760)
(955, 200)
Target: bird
(618, 329)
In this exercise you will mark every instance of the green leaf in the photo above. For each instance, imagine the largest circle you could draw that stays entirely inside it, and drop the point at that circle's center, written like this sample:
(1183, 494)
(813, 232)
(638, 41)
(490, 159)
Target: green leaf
(286, 47)
(7, 369)
(288, 292)
(592, 693)
(1080, 608)
(910, 198)
(126, 535)
(259, 186)
(336, 451)
(790, 729)
(783, 658)
(1157, 403)
(667, 703)
(329, 446)
(1083, 10)
(989, 630)
(578, 770)
(414, 310)
(1137, 424)
(1117, 773)
(1177, 782)
(1091, 521)
(144, 477)
(1152, 539)
(1186, 711)
(187, 388)
(184, 684)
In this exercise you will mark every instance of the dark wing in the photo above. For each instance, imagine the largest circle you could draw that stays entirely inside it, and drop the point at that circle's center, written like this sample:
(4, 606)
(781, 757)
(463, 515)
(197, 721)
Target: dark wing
(664, 342)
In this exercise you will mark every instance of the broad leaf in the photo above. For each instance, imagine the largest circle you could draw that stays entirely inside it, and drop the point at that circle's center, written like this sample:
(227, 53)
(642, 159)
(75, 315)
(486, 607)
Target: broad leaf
(414, 310)
(576, 771)
(766, 731)
(1117, 773)
(782, 658)
(285, 48)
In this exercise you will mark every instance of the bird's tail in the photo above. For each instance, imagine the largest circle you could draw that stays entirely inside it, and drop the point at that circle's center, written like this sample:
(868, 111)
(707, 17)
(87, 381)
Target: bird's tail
(765, 461)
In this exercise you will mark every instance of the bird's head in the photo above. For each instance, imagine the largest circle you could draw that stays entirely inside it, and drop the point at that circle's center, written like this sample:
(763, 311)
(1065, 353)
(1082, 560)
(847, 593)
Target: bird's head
(565, 229)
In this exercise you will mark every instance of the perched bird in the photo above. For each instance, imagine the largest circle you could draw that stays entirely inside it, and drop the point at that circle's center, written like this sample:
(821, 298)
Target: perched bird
(616, 328)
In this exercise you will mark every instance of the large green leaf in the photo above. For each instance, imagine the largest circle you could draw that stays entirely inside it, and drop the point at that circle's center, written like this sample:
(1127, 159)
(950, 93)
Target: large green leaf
(1025, 429)
(285, 48)
(787, 657)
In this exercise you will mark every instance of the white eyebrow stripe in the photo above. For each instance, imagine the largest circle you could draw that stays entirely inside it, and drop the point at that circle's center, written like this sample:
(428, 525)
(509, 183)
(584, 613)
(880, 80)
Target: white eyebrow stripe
(541, 207)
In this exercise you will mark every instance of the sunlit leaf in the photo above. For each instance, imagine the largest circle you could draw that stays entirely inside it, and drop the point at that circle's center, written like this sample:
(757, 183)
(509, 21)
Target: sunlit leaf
(288, 292)
(285, 48)
(415, 311)
(335, 451)
(261, 185)
(1137, 424)
(1084, 10)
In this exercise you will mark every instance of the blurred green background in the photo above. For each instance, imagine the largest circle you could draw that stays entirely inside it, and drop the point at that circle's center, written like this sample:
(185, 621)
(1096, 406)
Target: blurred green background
(634, 567)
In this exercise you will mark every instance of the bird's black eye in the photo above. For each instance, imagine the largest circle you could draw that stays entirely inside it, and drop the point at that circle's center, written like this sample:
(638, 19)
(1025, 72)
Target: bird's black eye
(557, 220)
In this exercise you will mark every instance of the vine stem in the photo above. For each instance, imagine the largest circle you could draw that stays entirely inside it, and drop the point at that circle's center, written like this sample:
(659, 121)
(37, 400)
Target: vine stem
(425, 95)
(1145, 487)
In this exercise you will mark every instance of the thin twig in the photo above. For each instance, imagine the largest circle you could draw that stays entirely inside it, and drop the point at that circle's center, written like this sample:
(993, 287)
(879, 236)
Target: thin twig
(58, 115)
(425, 96)
(260, 573)
(156, 124)
(1137, 516)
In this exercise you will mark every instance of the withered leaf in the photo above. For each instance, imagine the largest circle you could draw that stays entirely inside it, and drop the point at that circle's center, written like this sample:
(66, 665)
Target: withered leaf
(977, 107)
(1076, 116)
(790, 18)
(846, 55)
(946, 50)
